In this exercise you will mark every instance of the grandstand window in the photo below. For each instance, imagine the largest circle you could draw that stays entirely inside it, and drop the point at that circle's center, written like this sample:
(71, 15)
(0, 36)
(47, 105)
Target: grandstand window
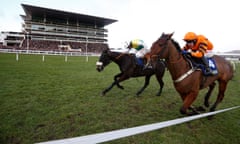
(41, 28)
(83, 33)
(34, 27)
(37, 37)
(59, 30)
(82, 39)
(72, 22)
(36, 18)
(50, 28)
(100, 34)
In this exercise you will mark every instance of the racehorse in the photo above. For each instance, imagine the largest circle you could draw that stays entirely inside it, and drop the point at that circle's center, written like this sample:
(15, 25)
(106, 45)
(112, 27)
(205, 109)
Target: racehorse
(187, 80)
(129, 69)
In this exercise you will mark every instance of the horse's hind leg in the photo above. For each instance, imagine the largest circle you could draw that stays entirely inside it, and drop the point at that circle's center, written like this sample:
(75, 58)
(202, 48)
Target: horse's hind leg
(147, 79)
(208, 94)
(221, 91)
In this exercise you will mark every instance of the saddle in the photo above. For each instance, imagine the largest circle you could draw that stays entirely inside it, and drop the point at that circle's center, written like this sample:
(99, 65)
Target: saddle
(198, 64)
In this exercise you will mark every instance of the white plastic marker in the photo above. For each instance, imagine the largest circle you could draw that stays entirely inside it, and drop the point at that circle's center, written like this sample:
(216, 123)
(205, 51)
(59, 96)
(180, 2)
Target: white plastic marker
(117, 134)
(17, 57)
(43, 58)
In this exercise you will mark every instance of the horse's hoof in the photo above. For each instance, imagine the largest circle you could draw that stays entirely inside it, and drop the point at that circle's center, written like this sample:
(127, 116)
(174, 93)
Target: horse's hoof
(212, 109)
(193, 113)
(103, 94)
(121, 87)
(206, 104)
(201, 109)
(183, 111)
(210, 117)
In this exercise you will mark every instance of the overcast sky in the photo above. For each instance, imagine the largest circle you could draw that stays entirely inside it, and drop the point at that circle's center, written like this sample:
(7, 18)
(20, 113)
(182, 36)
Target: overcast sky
(146, 19)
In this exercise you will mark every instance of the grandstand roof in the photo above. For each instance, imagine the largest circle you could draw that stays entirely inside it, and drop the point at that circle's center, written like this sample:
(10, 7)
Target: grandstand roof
(40, 11)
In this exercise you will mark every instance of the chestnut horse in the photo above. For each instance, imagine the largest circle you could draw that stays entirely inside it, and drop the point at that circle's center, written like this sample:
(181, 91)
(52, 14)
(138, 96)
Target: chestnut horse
(129, 69)
(187, 80)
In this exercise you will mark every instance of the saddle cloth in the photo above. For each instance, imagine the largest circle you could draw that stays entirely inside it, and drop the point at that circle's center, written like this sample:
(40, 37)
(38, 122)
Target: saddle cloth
(212, 66)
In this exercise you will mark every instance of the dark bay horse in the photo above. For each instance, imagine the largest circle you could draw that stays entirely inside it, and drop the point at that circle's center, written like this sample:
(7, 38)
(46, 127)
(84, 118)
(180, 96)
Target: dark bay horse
(187, 80)
(129, 69)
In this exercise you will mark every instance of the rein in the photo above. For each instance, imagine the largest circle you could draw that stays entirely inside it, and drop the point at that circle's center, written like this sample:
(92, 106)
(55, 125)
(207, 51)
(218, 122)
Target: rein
(165, 47)
(177, 61)
(189, 72)
(119, 56)
(154, 55)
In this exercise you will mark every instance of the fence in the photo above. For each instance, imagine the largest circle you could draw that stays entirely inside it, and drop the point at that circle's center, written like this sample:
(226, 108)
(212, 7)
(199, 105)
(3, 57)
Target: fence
(43, 53)
(75, 53)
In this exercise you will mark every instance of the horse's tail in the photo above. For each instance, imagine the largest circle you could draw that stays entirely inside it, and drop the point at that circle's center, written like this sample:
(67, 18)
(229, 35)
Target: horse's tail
(232, 66)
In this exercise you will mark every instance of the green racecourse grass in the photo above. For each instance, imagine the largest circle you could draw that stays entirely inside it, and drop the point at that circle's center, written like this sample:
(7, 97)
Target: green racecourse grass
(42, 101)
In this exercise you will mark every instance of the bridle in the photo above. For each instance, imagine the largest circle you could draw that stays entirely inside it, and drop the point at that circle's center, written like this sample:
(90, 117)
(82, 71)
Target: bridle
(119, 56)
(165, 45)
(111, 58)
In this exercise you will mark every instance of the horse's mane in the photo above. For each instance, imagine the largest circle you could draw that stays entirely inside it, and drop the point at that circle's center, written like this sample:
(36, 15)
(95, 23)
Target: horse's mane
(168, 37)
(109, 50)
(176, 44)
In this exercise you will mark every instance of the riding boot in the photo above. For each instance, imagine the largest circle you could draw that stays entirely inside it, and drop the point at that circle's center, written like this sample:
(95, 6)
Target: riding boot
(205, 62)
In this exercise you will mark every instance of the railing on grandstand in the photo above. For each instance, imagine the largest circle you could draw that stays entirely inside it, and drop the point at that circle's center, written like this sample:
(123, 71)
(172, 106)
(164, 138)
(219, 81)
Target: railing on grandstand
(48, 52)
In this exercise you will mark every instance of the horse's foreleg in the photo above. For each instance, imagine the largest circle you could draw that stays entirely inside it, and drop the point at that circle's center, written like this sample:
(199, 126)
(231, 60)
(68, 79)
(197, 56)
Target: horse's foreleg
(146, 83)
(208, 94)
(161, 83)
(116, 79)
(187, 102)
(109, 88)
(221, 91)
(114, 83)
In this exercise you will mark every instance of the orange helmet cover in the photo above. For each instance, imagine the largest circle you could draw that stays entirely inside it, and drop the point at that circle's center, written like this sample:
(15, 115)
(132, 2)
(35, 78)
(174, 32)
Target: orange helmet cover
(190, 36)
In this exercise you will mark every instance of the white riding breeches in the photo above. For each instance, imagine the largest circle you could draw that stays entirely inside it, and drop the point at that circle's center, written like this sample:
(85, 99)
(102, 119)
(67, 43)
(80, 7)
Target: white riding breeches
(142, 52)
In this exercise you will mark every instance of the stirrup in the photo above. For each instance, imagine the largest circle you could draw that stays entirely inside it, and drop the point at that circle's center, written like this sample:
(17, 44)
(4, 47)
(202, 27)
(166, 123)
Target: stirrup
(208, 71)
(147, 66)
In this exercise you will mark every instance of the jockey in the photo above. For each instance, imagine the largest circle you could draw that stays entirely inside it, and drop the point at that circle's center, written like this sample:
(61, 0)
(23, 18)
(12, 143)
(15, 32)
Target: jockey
(198, 45)
(138, 48)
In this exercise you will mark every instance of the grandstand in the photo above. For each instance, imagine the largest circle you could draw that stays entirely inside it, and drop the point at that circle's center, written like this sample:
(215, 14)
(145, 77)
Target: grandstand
(55, 30)
(11, 39)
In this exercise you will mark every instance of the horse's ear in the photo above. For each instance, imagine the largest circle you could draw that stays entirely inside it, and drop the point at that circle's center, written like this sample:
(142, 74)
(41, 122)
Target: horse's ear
(105, 50)
(171, 34)
(162, 35)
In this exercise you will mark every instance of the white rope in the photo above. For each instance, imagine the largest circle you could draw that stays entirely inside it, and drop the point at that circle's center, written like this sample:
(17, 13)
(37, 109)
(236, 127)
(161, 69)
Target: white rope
(117, 134)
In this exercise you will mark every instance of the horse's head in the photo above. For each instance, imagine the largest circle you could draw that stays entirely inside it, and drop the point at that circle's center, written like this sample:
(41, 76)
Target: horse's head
(159, 47)
(104, 60)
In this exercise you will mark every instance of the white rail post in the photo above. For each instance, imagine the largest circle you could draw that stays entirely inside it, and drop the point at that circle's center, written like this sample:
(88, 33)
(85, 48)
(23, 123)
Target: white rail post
(66, 58)
(17, 57)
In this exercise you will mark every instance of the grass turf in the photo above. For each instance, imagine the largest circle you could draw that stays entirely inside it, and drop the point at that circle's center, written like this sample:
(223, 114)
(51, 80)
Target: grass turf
(54, 99)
